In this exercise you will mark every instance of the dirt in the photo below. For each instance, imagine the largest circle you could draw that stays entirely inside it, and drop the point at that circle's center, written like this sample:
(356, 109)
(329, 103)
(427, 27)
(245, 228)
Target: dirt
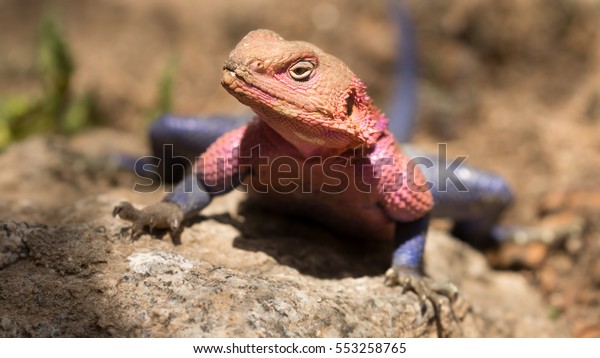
(514, 85)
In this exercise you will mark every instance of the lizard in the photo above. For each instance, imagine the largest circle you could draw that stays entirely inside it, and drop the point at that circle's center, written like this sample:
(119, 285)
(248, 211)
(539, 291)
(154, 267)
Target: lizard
(312, 111)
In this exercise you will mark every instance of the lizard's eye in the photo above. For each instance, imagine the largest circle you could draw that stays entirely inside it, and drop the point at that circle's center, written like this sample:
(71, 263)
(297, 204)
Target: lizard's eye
(300, 71)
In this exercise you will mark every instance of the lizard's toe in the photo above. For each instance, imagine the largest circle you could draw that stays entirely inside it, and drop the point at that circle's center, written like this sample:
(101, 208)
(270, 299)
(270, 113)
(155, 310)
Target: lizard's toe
(421, 285)
(126, 211)
(431, 293)
(162, 215)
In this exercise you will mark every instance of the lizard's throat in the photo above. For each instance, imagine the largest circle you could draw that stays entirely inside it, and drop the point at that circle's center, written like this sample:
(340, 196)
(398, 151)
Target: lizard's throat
(309, 140)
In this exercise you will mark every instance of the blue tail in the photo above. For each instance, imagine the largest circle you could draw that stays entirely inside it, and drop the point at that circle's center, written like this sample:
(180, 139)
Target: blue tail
(402, 109)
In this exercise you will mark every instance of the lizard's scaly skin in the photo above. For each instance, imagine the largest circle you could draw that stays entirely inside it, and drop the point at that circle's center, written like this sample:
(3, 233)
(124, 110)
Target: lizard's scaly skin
(220, 166)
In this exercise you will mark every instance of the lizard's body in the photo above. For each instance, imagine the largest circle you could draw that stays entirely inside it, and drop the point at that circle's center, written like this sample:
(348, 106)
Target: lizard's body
(313, 113)
(341, 191)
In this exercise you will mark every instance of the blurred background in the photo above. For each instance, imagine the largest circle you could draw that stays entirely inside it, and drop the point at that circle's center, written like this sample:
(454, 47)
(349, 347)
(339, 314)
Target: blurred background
(513, 84)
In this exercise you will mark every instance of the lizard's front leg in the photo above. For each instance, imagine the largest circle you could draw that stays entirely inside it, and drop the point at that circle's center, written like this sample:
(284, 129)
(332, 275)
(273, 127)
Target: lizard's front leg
(405, 196)
(186, 199)
(407, 270)
(217, 171)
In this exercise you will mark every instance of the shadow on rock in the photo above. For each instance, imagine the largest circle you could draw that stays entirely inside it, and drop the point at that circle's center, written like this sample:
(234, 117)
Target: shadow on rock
(305, 246)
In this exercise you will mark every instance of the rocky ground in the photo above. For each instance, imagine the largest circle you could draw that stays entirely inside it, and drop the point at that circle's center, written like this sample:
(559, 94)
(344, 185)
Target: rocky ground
(515, 85)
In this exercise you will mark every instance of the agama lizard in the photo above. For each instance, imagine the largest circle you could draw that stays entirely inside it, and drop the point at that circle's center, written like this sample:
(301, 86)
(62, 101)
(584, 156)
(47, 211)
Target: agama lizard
(319, 148)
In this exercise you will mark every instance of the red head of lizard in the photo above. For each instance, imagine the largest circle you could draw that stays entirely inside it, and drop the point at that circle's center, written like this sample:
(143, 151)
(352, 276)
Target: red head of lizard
(309, 97)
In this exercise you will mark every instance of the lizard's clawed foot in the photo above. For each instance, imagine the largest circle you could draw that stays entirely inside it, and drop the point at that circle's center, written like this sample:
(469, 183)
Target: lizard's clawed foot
(163, 215)
(428, 291)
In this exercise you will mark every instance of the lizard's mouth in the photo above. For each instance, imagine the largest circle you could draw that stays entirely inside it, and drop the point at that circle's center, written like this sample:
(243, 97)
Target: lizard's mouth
(231, 81)
(229, 78)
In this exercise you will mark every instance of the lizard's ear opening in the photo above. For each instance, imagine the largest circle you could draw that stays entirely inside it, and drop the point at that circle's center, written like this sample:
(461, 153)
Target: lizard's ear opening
(354, 107)
(350, 104)
(365, 121)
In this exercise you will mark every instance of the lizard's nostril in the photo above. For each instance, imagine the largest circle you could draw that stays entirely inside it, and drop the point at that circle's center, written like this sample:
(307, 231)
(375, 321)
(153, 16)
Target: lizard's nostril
(257, 66)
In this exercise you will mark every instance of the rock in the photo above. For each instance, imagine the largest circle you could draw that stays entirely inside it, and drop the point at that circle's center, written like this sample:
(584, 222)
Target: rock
(246, 273)
(82, 281)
